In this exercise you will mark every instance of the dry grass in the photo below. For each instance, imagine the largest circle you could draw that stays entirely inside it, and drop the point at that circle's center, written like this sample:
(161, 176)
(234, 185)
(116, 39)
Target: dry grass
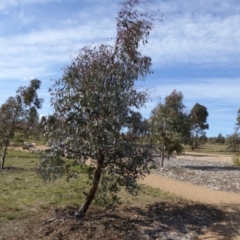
(211, 148)
(24, 194)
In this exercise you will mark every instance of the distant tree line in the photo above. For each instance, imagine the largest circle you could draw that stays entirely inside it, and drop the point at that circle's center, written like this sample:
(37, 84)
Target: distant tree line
(217, 140)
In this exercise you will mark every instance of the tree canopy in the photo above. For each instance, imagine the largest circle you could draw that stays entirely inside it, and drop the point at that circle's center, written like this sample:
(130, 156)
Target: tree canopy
(198, 118)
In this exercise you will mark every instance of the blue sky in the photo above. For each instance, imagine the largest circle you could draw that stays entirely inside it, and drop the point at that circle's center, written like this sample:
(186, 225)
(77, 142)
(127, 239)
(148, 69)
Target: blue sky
(195, 49)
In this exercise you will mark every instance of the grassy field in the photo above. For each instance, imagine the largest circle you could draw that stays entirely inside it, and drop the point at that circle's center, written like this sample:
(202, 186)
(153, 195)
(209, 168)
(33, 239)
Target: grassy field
(23, 193)
(211, 148)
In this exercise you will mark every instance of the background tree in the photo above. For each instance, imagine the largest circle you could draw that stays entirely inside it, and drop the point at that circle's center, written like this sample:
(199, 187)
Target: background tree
(233, 141)
(95, 100)
(169, 125)
(14, 113)
(48, 125)
(238, 119)
(10, 114)
(220, 139)
(198, 118)
(32, 119)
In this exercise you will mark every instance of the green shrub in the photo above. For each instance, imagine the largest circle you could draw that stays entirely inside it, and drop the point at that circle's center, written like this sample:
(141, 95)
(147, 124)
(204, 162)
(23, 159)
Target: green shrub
(236, 159)
(152, 167)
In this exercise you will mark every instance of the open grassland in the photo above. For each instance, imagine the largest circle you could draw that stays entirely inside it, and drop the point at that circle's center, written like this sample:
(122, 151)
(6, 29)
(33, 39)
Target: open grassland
(24, 194)
(18, 140)
(210, 148)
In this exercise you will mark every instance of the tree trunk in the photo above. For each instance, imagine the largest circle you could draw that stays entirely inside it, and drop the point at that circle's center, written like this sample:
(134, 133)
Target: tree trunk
(93, 189)
(162, 159)
(7, 144)
(3, 157)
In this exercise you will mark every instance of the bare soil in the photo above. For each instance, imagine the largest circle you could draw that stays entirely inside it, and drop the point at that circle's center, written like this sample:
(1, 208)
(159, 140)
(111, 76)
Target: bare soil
(208, 212)
(160, 220)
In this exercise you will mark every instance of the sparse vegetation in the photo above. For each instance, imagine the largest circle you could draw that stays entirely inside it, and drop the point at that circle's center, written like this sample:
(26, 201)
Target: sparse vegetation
(20, 182)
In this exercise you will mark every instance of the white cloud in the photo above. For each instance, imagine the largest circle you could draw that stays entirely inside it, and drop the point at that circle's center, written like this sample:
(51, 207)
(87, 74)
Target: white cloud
(204, 39)
(190, 33)
(224, 110)
(37, 51)
(14, 3)
(202, 33)
(208, 88)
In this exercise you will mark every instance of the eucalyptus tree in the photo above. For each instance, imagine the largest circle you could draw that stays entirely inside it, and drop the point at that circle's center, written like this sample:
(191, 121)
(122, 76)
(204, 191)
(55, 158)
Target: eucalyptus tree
(198, 116)
(220, 139)
(96, 101)
(233, 140)
(169, 125)
(14, 112)
(238, 119)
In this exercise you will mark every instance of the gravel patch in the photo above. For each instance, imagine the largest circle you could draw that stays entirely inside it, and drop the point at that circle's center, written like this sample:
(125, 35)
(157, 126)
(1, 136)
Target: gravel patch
(214, 172)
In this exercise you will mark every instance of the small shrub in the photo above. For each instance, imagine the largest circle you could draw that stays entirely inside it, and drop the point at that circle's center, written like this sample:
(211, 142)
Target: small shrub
(236, 159)
(11, 216)
(152, 167)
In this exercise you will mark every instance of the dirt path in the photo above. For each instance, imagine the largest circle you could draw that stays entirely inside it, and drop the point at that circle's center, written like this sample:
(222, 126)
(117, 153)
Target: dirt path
(228, 202)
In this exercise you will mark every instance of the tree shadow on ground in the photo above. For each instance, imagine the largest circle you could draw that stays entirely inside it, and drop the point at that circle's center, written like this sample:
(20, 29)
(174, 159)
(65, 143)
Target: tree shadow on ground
(160, 220)
(195, 155)
(17, 169)
(212, 168)
(229, 226)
